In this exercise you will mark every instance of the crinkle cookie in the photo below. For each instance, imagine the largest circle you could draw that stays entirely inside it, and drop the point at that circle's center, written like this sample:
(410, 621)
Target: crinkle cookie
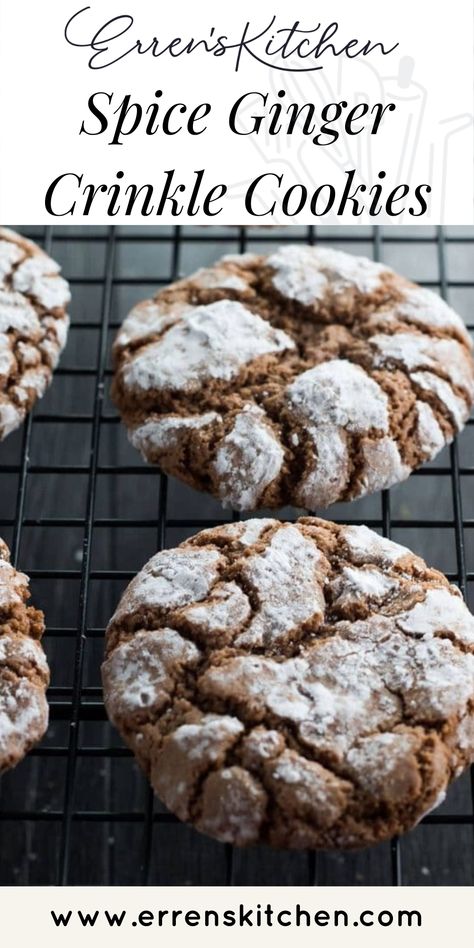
(24, 674)
(33, 326)
(302, 685)
(305, 378)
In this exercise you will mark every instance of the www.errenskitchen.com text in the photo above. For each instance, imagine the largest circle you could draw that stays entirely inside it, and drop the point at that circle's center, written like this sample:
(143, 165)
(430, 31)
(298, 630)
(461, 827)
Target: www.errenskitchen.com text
(243, 916)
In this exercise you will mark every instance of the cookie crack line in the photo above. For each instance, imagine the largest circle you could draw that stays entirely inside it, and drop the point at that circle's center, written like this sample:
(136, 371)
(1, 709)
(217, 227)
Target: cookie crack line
(393, 606)
(441, 374)
(305, 378)
(297, 728)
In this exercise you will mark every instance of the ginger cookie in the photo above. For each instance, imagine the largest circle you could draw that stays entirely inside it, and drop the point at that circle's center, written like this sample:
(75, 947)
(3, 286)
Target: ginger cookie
(299, 685)
(24, 674)
(33, 326)
(307, 377)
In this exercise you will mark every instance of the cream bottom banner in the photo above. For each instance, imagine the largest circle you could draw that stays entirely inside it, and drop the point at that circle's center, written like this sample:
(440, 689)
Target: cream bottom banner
(205, 916)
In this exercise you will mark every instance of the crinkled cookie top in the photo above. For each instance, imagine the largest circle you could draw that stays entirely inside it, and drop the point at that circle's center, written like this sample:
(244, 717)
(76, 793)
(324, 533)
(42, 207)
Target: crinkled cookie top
(301, 685)
(33, 325)
(307, 377)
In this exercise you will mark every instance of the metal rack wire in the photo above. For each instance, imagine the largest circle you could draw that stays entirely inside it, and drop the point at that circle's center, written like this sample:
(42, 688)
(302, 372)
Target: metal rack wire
(82, 514)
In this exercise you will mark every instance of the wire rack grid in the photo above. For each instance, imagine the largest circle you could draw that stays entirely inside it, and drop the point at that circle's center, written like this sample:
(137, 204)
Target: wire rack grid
(82, 513)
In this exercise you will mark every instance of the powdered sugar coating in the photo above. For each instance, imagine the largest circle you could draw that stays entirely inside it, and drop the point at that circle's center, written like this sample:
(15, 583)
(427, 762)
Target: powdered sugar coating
(386, 765)
(146, 320)
(23, 718)
(38, 276)
(284, 606)
(205, 739)
(348, 685)
(219, 617)
(33, 325)
(22, 650)
(341, 394)
(425, 308)
(337, 360)
(161, 434)
(465, 736)
(455, 406)
(308, 274)
(435, 679)
(219, 278)
(209, 342)
(417, 351)
(330, 695)
(10, 418)
(334, 398)
(187, 753)
(10, 255)
(242, 533)
(248, 460)
(383, 465)
(24, 674)
(241, 258)
(261, 745)
(170, 579)
(429, 433)
(233, 806)
(309, 789)
(33, 381)
(142, 671)
(315, 691)
(251, 530)
(17, 314)
(7, 359)
(325, 481)
(357, 585)
(441, 611)
(13, 585)
(365, 546)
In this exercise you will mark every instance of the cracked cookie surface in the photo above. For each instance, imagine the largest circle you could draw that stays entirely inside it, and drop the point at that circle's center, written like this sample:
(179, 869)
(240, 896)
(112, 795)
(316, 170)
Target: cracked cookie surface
(24, 674)
(307, 377)
(33, 326)
(300, 685)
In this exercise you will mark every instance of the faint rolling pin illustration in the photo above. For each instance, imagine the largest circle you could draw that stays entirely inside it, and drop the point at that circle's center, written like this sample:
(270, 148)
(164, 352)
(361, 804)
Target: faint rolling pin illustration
(442, 155)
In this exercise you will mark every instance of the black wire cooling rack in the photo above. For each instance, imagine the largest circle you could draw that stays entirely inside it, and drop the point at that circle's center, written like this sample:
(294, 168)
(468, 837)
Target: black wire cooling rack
(82, 514)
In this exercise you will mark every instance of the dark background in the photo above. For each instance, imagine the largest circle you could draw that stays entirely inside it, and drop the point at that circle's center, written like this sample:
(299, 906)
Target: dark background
(82, 514)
